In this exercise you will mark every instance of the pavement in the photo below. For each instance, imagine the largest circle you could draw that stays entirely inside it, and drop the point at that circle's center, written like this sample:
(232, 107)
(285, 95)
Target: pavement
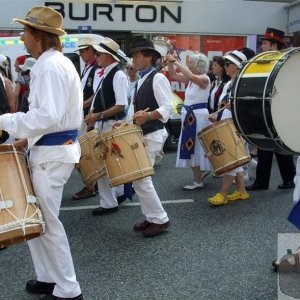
(208, 253)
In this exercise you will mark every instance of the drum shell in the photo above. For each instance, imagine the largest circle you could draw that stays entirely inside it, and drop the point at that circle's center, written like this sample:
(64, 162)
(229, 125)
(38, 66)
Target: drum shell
(223, 147)
(91, 165)
(132, 162)
(14, 189)
(264, 103)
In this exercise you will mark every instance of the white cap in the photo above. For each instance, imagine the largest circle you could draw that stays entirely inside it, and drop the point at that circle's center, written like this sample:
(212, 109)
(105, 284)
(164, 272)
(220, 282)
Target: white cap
(28, 64)
(236, 57)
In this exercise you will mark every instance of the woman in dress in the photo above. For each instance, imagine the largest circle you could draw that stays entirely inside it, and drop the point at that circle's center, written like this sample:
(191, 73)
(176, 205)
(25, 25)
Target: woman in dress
(194, 114)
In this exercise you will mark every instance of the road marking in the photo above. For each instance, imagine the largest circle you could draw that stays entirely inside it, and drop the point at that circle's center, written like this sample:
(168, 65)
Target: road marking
(179, 201)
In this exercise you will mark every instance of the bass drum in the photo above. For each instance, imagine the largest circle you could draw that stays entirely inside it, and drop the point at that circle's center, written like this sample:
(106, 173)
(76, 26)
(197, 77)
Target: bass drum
(265, 104)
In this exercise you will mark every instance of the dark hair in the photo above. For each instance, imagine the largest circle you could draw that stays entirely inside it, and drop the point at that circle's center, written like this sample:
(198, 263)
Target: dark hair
(249, 53)
(49, 40)
(149, 52)
(221, 62)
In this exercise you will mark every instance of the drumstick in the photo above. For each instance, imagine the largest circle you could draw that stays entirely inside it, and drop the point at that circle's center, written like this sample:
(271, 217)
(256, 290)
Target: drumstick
(216, 112)
(129, 120)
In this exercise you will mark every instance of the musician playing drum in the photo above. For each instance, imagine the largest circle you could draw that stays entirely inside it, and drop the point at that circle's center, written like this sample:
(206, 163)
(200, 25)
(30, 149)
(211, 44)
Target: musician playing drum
(233, 61)
(153, 91)
(273, 40)
(51, 127)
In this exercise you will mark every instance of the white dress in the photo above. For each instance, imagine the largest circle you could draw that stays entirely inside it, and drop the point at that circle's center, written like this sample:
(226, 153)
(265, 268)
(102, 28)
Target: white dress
(194, 95)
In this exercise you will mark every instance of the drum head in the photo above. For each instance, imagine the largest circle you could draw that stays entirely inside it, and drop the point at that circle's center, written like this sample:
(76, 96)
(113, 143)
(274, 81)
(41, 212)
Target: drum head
(286, 101)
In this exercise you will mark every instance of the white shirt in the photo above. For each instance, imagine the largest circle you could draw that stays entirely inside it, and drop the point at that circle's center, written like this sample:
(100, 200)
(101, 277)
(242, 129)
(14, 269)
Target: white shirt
(163, 95)
(55, 104)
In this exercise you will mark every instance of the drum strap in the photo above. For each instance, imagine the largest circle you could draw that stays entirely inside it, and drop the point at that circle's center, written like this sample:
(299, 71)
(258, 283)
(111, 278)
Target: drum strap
(58, 138)
(187, 146)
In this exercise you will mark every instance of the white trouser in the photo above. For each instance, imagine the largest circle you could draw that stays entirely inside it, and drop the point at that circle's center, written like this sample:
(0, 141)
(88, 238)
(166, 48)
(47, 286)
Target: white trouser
(150, 203)
(51, 252)
(107, 195)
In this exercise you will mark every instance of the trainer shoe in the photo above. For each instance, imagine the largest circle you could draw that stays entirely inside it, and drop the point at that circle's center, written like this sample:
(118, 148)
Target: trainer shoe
(193, 186)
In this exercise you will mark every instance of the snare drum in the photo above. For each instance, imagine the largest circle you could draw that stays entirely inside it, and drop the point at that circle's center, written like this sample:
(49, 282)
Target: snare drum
(91, 165)
(223, 147)
(124, 153)
(265, 103)
(20, 216)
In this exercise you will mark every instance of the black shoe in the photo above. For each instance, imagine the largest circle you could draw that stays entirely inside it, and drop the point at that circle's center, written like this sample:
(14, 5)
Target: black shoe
(121, 199)
(39, 287)
(256, 186)
(51, 297)
(286, 185)
(104, 211)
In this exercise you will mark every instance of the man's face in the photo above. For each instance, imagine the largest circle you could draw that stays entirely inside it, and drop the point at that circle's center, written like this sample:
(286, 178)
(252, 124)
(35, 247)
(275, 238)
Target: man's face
(86, 54)
(140, 61)
(31, 43)
(267, 46)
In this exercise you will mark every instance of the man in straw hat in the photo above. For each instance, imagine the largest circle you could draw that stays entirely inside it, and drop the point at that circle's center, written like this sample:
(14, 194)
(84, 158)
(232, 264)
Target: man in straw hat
(153, 92)
(108, 106)
(51, 128)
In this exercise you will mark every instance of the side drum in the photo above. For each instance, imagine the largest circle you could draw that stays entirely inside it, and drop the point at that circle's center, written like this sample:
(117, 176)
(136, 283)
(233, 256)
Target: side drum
(91, 165)
(20, 216)
(223, 147)
(124, 153)
(265, 102)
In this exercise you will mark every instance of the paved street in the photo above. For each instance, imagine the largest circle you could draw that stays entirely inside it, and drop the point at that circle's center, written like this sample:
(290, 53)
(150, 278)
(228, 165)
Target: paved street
(207, 253)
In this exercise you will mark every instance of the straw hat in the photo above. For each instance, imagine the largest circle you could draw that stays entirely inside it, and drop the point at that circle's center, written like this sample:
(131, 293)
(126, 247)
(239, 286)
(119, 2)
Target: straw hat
(28, 64)
(43, 18)
(86, 42)
(109, 46)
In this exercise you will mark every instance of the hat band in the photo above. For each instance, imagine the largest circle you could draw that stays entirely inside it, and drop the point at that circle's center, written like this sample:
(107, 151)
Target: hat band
(36, 21)
(239, 59)
(273, 37)
(109, 50)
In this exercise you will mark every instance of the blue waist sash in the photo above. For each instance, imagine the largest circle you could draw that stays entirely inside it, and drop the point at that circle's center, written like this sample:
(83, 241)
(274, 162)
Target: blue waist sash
(188, 137)
(58, 138)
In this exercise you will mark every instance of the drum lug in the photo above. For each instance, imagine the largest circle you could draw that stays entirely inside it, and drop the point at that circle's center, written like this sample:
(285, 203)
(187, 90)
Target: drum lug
(31, 199)
(6, 204)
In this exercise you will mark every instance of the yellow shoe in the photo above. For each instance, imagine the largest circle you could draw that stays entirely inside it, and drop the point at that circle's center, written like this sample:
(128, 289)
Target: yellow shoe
(238, 196)
(218, 199)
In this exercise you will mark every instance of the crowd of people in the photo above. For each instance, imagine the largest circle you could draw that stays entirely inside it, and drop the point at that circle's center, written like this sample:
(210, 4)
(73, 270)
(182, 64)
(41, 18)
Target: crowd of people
(103, 97)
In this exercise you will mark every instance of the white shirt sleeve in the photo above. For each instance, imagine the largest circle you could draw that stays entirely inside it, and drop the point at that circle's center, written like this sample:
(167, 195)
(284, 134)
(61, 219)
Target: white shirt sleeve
(163, 95)
(120, 85)
(45, 111)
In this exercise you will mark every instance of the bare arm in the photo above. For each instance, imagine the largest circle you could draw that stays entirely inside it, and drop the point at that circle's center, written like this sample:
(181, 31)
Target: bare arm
(10, 94)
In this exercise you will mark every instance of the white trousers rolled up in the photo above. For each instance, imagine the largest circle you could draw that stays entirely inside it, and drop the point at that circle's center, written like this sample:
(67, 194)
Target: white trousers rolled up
(51, 252)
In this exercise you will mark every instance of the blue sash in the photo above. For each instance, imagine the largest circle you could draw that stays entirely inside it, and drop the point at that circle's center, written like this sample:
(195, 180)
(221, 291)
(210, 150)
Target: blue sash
(188, 136)
(58, 138)
(294, 215)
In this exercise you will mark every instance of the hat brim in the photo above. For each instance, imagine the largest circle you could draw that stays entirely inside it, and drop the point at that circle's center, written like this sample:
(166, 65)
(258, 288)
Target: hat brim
(23, 68)
(56, 31)
(273, 41)
(83, 47)
(134, 50)
(234, 61)
(99, 49)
